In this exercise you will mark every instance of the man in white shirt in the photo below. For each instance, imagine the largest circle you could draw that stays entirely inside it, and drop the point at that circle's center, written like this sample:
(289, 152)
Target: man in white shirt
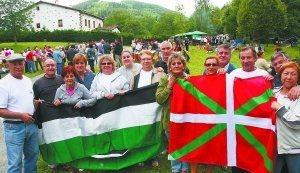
(248, 58)
(17, 108)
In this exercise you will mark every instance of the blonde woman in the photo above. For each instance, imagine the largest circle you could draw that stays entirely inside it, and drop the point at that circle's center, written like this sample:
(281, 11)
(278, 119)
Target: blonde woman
(107, 83)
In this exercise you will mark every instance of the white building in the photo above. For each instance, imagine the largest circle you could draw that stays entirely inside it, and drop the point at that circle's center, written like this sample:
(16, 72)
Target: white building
(51, 17)
(112, 28)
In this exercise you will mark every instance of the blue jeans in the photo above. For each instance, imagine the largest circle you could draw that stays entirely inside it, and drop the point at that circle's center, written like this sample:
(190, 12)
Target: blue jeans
(178, 166)
(59, 68)
(21, 138)
(292, 161)
(31, 66)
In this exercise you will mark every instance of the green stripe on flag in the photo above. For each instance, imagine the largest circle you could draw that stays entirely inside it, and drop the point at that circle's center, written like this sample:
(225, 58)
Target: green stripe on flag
(134, 156)
(204, 99)
(259, 147)
(198, 142)
(86, 146)
(254, 102)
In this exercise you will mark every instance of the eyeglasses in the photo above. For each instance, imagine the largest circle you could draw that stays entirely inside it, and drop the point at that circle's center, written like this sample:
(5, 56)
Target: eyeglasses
(165, 48)
(49, 65)
(106, 63)
(146, 59)
(211, 65)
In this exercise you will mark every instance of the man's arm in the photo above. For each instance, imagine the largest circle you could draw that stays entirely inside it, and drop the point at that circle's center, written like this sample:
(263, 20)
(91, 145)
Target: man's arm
(294, 93)
(25, 117)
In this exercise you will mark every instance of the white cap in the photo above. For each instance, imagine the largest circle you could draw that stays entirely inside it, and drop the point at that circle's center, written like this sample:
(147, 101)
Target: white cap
(15, 57)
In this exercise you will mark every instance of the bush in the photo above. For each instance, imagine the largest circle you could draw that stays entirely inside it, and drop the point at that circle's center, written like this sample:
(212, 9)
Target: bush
(65, 36)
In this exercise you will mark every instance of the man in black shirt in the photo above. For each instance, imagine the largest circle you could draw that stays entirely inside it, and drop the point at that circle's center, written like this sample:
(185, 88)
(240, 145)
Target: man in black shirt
(70, 54)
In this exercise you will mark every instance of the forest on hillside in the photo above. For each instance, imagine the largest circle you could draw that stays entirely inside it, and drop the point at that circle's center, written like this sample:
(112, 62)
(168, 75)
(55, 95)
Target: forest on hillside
(244, 19)
(251, 20)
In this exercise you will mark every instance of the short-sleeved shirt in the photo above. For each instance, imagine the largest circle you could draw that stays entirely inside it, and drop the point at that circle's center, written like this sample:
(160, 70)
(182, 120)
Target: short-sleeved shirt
(45, 88)
(16, 94)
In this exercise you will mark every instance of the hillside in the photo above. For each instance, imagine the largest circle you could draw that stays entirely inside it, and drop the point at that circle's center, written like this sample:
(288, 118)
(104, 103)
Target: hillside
(136, 8)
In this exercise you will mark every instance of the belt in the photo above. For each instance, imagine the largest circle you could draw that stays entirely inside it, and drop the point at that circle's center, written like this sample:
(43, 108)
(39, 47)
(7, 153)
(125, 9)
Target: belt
(13, 122)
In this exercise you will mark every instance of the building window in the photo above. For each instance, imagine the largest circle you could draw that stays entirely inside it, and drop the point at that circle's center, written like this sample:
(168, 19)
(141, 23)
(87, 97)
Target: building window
(89, 23)
(38, 25)
(37, 8)
(60, 23)
(94, 24)
(85, 22)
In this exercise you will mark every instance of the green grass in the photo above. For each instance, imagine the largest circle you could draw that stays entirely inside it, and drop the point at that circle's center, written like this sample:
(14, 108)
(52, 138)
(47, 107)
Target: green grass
(198, 56)
(20, 46)
(164, 167)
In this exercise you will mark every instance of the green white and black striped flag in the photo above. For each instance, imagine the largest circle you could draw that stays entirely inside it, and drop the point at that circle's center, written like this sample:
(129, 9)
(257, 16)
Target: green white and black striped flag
(111, 135)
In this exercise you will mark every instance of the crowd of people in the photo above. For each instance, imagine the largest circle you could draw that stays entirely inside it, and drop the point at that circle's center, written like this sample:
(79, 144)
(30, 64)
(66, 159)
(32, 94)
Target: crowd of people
(73, 81)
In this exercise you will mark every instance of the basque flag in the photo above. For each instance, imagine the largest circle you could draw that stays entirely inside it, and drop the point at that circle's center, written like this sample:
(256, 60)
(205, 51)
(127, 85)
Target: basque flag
(223, 121)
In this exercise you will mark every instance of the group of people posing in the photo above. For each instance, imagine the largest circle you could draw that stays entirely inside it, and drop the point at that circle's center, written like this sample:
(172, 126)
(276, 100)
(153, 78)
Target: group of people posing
(79, 86)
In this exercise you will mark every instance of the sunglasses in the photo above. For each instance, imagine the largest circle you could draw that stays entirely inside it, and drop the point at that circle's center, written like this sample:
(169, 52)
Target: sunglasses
(211, 65)
(106, 63)
(178, 63)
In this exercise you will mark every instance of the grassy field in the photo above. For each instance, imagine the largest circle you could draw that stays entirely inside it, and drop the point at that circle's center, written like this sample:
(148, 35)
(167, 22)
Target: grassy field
(198, 56)
(24, 45)
(195, 65)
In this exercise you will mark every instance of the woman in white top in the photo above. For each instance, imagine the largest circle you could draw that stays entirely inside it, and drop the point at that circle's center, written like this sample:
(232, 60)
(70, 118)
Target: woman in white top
(288, 120)
(108, 82)
(129, 68)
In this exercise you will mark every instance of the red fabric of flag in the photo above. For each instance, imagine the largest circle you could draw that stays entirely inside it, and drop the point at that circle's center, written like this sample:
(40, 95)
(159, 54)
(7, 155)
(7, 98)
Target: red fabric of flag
(183, 102)
(248, 157)
(197, 133)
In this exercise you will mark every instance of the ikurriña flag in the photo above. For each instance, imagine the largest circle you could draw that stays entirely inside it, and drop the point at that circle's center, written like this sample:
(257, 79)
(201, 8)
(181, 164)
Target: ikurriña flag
(111, 135)
(215, 120)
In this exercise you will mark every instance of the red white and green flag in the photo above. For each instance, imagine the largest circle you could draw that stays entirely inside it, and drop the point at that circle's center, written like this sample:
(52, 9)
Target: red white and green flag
(223, 121)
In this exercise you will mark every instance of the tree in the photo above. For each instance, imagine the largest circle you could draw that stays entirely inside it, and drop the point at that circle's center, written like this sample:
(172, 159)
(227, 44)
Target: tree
(201, 18)
(170, 23)
(293, 18)
(229, 18)
(261, 19)
(217, 20)
(148, 22)
(128, 23)
(14, 16)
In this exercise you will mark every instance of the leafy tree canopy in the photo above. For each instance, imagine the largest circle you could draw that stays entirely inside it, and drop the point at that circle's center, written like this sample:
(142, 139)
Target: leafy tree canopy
(14, 17)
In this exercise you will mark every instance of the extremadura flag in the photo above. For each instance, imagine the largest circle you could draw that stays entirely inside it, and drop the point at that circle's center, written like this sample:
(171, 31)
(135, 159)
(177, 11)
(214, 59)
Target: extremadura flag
(111, 135)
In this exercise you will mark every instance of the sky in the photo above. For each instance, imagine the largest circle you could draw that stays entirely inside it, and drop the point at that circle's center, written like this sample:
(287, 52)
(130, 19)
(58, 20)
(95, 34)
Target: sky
(189, 5)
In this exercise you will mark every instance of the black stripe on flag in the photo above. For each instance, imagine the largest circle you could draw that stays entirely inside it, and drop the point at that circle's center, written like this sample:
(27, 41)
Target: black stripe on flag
(48, 111)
